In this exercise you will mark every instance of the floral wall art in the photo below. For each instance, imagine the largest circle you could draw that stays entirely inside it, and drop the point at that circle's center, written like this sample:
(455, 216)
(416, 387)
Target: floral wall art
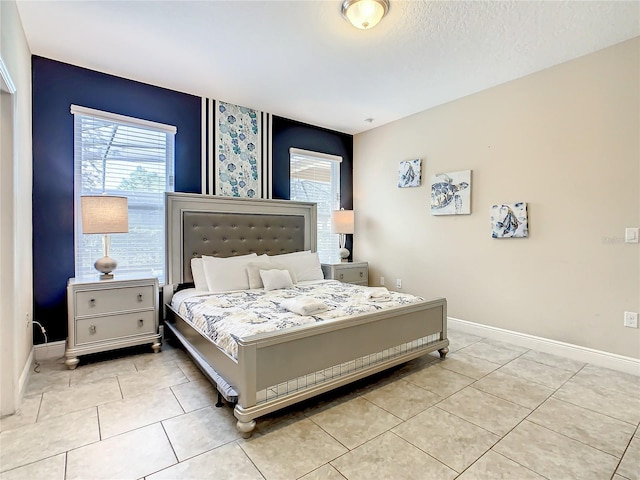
(409, 173)
(238, 164)
(451, 193)
(509, 220)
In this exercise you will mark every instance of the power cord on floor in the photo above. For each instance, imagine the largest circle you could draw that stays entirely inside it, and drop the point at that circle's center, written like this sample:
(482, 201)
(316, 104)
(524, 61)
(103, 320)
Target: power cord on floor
(44, 332)
(36, 366)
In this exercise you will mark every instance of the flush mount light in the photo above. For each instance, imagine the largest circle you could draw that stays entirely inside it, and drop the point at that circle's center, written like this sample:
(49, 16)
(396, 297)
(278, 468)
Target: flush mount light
(364, 14)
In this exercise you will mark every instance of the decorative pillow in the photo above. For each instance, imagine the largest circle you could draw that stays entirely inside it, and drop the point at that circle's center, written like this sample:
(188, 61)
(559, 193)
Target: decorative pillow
(305, 265)
(226, 274)
(253, 272)
(197, 272)
(276, 279)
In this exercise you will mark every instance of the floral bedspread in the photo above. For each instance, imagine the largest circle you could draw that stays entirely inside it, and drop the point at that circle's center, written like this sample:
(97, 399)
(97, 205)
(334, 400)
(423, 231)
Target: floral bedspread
(225, 317)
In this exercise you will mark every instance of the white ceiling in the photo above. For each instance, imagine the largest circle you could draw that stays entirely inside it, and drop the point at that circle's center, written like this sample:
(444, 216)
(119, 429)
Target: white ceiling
(302, 60)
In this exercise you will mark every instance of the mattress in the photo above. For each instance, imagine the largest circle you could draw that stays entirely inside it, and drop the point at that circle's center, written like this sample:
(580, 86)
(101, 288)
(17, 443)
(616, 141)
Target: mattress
(226, 317)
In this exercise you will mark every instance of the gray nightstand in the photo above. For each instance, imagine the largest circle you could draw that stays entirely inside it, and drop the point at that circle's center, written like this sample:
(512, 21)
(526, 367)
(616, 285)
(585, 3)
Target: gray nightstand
(348, 272)
(109, 314)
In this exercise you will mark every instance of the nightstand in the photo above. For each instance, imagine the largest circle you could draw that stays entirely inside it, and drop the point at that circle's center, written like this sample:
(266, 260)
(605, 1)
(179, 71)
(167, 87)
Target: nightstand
(348, 272)
(109, 314)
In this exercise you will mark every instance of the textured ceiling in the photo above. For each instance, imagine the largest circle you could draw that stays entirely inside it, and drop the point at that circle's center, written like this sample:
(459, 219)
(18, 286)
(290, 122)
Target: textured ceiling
(301, 60)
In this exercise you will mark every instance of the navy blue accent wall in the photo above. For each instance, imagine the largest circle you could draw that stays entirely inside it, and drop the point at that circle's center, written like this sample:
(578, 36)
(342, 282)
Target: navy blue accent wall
(289, 133)
(55, 87)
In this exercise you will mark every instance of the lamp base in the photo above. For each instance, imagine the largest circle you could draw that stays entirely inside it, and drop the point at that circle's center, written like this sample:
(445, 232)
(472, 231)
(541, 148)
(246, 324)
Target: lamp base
(106, 265)
(344, 255)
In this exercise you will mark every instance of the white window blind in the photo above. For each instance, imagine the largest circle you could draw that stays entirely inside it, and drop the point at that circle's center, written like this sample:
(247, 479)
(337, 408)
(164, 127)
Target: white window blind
(130, 157)
(315, 177)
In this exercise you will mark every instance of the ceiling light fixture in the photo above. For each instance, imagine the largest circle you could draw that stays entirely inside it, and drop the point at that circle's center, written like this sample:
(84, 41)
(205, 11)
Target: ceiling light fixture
(364, 14)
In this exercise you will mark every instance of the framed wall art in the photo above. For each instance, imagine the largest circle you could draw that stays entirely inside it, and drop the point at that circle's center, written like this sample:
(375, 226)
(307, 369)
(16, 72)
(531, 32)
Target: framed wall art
(509, 220)
(410, 173)
(451, 193)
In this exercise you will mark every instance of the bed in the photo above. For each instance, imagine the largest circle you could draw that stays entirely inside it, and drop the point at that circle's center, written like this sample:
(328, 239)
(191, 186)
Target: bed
(272, 370)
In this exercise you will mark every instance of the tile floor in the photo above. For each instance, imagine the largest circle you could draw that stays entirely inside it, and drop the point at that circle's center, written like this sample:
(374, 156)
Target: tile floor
(490, 410)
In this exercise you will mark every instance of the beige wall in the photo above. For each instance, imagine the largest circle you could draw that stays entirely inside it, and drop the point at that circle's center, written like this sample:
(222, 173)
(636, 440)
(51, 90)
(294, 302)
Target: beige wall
(15, 206)
(566, 141)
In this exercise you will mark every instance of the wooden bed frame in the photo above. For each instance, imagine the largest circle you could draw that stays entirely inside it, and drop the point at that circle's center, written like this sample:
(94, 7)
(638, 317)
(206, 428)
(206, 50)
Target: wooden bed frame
(278, 369)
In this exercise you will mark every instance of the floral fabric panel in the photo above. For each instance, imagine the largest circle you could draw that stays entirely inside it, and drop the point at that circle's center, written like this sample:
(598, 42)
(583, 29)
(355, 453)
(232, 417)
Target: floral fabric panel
(238, 161)
(225, 317)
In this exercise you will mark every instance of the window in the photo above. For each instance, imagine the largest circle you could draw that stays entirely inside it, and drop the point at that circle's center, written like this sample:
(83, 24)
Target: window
(134, 158)
(315, 177)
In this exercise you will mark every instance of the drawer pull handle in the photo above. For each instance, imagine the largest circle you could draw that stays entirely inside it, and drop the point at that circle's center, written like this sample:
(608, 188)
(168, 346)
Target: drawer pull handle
(92, 302)
(139, 297)
(361, 274)
(341, 276)
(92, 329)
(140, 322)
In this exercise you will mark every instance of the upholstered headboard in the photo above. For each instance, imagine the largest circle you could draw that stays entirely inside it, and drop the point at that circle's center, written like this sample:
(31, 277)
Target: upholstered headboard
(199, 225)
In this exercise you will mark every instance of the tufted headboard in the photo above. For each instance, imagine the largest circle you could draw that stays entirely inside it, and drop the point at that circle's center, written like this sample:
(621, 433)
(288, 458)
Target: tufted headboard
(199, 225)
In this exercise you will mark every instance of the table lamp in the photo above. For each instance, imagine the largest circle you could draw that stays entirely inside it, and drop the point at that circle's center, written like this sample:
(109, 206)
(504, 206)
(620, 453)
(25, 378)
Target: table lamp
(105, 214)
(342, 222)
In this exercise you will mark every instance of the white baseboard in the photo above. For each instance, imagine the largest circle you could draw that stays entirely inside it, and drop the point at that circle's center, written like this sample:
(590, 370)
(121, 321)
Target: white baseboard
(24, 376)
(568, 350)
(48, 351)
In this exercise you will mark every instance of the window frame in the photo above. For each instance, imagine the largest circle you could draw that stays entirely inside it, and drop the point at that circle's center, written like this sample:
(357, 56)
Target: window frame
(330, 252)
(139, 200)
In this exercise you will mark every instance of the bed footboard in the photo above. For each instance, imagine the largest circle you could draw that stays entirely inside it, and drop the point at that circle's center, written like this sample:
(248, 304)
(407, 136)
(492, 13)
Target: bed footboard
(275, 370)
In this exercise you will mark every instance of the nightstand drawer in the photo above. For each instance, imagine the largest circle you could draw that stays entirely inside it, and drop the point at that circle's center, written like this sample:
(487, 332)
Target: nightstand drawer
(347, 272)
(352, 275)
(97, 329)
(98, 302)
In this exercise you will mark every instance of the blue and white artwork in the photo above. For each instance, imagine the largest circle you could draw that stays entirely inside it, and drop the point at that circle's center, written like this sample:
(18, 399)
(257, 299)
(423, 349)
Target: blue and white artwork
(238, 157)
(509, 220)
(451, 193)
(409, 173)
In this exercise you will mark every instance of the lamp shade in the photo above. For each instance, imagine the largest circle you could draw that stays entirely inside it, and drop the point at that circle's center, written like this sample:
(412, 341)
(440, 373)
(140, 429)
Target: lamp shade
(342, 221)
(364, 14)
(104, 214)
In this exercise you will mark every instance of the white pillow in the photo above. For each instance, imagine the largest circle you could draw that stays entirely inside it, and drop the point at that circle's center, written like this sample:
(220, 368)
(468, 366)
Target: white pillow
(276, 279)
(305, 265)
(197, 272)
(226, 274)
(253, 272)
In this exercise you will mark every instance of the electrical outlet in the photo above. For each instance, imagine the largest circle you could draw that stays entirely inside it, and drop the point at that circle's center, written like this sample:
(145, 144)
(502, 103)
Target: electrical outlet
(28, 320)
(631, 319)
(382, 281)
(398, 282)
